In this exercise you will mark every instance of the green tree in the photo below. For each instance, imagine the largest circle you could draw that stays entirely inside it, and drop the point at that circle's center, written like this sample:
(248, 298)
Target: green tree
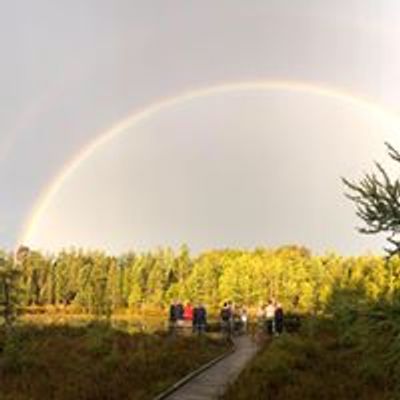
(9, 288)
(377, 200)
(36, 270)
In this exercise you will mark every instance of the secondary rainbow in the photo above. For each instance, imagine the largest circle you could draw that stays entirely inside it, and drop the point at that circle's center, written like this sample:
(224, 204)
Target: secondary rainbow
(147, 112)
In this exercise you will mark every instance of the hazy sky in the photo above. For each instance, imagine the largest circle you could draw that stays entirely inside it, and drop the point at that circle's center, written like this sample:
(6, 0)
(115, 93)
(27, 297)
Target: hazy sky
(72, 69)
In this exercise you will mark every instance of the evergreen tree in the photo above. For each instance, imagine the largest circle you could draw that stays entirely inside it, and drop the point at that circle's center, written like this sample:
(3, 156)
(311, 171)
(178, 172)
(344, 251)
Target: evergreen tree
(9, 288)
(377, 200)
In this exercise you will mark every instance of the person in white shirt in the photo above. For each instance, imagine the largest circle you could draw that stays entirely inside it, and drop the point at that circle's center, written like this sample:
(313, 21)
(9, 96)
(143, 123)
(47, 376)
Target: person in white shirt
(270, 315)
(243, 319)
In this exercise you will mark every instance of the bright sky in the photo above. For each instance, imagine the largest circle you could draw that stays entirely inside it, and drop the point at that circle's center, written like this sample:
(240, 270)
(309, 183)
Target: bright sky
(215, 171)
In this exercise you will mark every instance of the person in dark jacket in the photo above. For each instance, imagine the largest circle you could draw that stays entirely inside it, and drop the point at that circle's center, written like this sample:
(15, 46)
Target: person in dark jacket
(278, 319)
(199, 319)
(172, 316)
(225, 316)
(172, 312)
(179, 314)
(179, 311)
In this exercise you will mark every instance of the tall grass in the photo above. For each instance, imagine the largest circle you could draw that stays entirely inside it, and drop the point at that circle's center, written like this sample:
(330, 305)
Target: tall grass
(95, 362)
(311, 366)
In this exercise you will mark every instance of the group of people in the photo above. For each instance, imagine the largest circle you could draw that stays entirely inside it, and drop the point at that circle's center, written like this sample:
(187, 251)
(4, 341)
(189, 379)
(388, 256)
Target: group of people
(180, 315)
(270, 317)
(232, 319)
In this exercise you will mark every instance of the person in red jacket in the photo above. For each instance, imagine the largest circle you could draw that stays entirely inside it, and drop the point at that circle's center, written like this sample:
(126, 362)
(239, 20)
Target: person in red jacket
(188, 312)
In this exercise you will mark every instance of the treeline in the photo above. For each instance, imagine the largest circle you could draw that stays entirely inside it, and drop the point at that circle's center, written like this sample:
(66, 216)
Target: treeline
(96, 283)
(350, 350)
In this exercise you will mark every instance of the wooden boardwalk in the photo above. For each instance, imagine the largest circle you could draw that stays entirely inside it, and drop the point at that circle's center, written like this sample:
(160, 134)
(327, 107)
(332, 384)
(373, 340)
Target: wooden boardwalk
(212, 383)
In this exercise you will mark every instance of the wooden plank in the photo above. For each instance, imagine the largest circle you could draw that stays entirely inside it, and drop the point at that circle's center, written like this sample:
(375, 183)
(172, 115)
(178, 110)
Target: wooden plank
(212, 383)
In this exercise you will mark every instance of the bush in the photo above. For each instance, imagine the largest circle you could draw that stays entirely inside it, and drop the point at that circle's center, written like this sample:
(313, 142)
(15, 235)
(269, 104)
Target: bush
(96, 362)
(13, 358)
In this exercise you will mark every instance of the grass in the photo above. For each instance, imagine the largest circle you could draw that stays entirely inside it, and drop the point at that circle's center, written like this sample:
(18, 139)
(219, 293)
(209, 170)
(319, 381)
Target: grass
(96, 361)
(311, 366)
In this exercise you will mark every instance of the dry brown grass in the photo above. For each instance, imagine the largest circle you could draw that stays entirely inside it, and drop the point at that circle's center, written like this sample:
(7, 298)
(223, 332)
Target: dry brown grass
(304, 366)
(95, 362)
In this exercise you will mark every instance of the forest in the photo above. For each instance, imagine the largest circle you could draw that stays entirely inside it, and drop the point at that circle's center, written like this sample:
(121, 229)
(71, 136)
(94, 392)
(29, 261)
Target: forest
(350, 307)
(78, 281)
(347, 347)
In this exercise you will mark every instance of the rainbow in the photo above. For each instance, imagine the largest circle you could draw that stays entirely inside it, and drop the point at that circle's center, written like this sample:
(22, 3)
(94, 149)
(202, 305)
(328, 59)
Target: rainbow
(70, 167)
